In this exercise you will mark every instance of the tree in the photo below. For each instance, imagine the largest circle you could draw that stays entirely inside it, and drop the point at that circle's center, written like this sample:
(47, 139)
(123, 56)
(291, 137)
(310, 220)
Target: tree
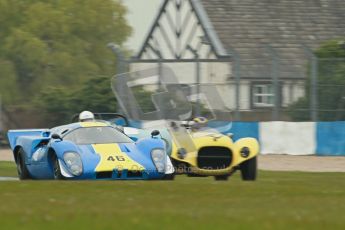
(330, 85)
(8, 91)
(57, 43)
(60, 104)
(96, 95)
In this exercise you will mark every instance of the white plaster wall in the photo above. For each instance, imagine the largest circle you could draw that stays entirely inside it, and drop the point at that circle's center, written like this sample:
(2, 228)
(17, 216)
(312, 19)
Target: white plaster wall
(294, 138)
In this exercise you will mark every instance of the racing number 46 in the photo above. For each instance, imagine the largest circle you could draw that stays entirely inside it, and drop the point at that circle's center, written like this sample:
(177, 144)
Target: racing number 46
(118, 158)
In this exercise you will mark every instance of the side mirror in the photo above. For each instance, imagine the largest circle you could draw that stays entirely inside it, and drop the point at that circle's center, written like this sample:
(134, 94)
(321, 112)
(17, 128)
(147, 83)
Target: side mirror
(56, 136)
(155, 133)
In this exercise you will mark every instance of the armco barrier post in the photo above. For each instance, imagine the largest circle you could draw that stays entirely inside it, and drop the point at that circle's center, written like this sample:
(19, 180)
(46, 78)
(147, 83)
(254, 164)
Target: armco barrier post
(120, 67)
(313, 85)
(313, 90)
(197, 79)
(275, 82)
(237, 75)
(1, 126)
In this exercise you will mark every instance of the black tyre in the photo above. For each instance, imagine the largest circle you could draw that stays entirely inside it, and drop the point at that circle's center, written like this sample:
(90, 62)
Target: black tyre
(221, 177)
(22, 170)
(56, 168)
(169, 176)
(249, 169)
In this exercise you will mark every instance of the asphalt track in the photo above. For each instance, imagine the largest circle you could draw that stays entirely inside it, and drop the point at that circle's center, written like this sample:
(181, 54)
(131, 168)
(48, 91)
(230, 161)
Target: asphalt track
(266, 162)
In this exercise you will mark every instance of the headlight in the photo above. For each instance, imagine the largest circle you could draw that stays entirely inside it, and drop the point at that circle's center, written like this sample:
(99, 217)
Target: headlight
(158, 154)
(158, 157)
(182, 153)
(245, 152)
(160, 167)
(73, 163)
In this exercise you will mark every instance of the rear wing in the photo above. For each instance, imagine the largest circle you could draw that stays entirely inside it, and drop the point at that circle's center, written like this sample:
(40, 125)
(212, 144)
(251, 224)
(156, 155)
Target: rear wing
(13, 135)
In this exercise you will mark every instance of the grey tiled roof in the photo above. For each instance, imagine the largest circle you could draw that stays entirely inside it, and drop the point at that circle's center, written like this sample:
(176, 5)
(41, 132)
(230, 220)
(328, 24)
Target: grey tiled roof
(249, 25)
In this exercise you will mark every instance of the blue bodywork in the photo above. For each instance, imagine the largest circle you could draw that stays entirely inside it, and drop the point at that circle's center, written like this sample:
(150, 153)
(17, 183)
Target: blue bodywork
(139, 134)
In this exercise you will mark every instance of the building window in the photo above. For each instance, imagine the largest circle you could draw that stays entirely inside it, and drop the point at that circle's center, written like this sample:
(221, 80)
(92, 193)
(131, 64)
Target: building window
(263, 95)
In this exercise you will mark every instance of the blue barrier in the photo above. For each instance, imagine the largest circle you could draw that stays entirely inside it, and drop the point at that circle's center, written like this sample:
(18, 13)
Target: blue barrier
(135, 124)
(239, 129)
(132, 123)
(330, 138)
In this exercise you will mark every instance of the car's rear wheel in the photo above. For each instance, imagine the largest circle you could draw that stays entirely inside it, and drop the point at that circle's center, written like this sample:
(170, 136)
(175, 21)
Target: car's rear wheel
(56, 168)
(23, 172)
(249, 169)
(221, 177)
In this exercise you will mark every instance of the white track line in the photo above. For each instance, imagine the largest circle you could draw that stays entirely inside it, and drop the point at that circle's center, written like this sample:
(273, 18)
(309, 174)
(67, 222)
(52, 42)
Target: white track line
(8, 179)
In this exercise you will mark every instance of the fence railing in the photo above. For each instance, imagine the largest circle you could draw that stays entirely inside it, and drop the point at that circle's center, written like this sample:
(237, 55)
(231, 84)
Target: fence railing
(277, 88)
(218, 101)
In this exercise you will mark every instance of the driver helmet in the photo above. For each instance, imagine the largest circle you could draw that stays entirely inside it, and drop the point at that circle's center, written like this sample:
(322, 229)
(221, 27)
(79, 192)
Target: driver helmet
(199, 122)
(86, 116)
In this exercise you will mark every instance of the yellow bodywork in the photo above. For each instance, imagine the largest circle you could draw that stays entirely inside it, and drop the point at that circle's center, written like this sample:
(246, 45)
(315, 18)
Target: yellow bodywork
(113, 151)
(194, 141)
(92, 124)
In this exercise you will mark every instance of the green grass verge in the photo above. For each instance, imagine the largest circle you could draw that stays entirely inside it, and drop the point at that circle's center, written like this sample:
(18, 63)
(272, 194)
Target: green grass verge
(8, 169)
(278, 200)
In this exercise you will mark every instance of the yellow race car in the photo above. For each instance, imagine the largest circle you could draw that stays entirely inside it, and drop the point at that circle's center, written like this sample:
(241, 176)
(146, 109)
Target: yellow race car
(197, 150)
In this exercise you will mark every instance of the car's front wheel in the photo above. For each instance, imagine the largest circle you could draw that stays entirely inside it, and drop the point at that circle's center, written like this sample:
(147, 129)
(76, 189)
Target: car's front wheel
(249, 169)
(221, 177)
(169, 176)
(23, 172)
(56, 168)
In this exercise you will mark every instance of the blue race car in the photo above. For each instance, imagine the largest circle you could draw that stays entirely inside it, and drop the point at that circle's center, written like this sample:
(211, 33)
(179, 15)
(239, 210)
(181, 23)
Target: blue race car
(88, 150)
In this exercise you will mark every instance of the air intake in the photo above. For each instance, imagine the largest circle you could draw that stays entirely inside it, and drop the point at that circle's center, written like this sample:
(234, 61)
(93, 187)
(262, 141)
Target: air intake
(211, 158)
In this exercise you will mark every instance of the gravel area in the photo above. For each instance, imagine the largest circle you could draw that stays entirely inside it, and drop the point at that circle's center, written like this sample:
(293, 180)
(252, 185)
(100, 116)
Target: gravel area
(302, 163)
(6, 155)
(273, 162)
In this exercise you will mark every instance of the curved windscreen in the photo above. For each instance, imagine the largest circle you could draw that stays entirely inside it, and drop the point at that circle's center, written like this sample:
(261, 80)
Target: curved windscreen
(96, 135)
